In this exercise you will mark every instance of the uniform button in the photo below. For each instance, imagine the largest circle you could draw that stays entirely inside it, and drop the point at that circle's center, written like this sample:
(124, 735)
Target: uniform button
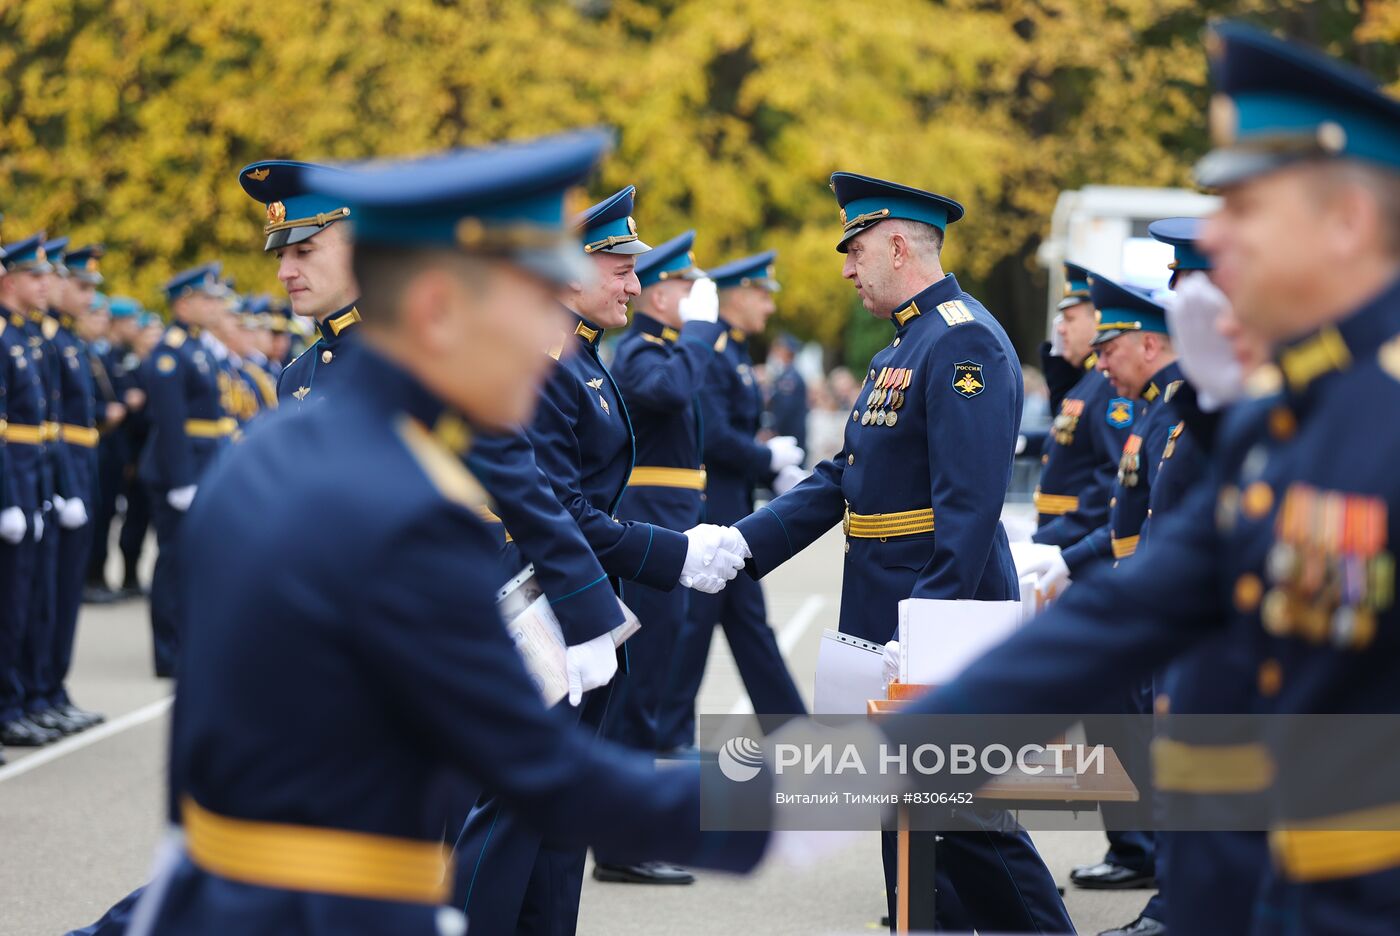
(855, 417)
(1257, 500)
(1270, 678)
(1282, 423)
(896, 343)
(872, 373)
(326, 357)
(1112, 502)
(1045, 459)
(1149, 511)
(848, 545)
(851, 459)
(1248, 591)
(1162, 705)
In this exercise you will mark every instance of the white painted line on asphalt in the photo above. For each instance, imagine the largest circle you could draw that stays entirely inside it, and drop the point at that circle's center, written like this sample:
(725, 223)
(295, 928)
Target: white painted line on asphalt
(793, 632)
(91, 736)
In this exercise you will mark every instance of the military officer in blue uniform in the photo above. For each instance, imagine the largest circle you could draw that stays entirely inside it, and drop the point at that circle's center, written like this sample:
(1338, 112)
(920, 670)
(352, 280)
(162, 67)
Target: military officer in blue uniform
(28, 484)
(1302, 491)
(72, 286)
(188, 428)
(1086, 439)
(394, 604)
(660, 366)
(313, 252)
(930, 441)
(736, 462)
(787, 394)
(583, 440)
(108, 376)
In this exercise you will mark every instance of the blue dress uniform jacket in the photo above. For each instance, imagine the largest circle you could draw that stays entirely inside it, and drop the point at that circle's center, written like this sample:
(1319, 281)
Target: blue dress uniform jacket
(391, 604)
(1317, 494)
(311, 373)
(661, 371)
(731, 410)
(582, 434)
(951, 381)
(1085, 443)
(532, 527)
(188, 424)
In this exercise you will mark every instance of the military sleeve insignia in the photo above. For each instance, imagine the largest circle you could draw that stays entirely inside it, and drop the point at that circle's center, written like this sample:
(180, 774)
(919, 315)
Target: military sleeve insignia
(165, 364)
(1120, 412)
(968, 378)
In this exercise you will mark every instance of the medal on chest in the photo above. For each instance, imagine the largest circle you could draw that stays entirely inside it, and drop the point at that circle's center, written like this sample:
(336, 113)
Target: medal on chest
(887, 397)
(1131, 461)
(1067, 421)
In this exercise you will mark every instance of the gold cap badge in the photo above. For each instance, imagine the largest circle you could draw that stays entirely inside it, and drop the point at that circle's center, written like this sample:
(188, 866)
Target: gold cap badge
(276, 213)
(258, 175)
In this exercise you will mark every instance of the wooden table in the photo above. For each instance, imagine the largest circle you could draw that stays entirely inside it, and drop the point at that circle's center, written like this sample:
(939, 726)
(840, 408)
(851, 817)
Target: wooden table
(914, 907)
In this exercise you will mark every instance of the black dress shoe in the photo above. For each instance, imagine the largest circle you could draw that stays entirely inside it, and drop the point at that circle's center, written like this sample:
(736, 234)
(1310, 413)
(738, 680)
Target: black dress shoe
(1142, 926)
(1108, 876)
(132, 590)
(24, 733)
(647, 872)
(83, 716)
(55, 720)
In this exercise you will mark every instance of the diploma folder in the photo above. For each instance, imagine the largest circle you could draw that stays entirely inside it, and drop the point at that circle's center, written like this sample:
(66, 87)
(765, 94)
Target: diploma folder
(538, 638)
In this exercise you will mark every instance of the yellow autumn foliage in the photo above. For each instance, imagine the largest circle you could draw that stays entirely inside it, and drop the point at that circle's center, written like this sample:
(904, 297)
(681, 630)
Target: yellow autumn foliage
(126, 121)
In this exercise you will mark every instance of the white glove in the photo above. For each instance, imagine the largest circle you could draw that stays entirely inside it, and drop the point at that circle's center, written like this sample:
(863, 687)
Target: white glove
(1193, 316)
(788, 478)
(707, 562)
(38, 525)
(1057, 344)
(1044, 562)
(72, 514)
(12, 524)
(784, 451)
(702, 305)
(731, 540)
(181, 497)
(590, 665)
(893, 656)
(58, 501)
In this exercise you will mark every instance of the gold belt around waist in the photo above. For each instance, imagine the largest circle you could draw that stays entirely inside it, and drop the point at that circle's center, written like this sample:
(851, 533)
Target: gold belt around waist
(1211, 768)
(1123, 548)
(1339, 846)
(24, 435)
(691, 479)
(883, 526)
(51, 431)
(317, 860)
(211, 428)
(1055, 505)
(85, 436)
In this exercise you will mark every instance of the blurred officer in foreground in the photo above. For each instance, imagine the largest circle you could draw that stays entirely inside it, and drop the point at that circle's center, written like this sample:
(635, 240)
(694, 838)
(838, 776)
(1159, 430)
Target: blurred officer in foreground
(392, 602)
(188, 428)
(931, 440)
(731, 408)
(313, 263)
(1303, 495)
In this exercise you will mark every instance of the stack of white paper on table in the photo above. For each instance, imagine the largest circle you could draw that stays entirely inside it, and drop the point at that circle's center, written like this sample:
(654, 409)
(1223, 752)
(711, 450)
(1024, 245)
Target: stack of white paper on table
(539, 639)
(939, 638)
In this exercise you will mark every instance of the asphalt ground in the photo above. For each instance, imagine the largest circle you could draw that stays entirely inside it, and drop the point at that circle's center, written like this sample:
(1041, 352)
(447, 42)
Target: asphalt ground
(79, 820)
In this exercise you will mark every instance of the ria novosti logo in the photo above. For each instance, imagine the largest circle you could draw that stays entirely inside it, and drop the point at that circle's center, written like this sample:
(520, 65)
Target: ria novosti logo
(740, 759)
